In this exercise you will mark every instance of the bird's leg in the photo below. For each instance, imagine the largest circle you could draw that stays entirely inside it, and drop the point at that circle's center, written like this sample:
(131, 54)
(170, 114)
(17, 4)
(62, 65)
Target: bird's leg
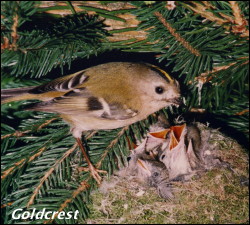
(94, 172)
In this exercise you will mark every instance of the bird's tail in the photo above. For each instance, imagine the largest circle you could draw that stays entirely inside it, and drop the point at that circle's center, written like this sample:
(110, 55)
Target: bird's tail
(15, 94)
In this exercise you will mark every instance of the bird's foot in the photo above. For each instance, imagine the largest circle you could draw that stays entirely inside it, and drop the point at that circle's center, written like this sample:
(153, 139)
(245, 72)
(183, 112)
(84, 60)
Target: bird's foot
(94, 172)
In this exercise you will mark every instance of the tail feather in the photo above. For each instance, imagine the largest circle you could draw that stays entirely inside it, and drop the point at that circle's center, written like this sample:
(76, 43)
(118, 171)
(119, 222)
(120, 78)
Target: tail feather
(15, 94)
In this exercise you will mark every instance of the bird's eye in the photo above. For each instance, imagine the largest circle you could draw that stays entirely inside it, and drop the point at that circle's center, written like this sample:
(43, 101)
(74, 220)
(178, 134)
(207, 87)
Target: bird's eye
(155, 174)
(159, 90)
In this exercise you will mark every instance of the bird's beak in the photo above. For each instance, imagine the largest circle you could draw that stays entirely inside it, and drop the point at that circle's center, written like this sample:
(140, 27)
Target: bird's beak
(176, 101)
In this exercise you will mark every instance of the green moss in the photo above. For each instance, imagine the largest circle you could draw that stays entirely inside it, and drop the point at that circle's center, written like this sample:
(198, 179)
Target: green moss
(217, 197)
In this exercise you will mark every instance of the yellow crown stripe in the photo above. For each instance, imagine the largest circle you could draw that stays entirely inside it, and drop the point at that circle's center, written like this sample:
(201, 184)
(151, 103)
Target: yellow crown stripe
(163, 72)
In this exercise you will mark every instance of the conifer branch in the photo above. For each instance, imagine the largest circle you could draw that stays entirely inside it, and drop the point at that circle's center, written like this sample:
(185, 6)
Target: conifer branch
(21, 163)
(37, 170)
(15, 134)
(83, 186)
(204, 77)
(6, 42)
(242, 112)
(7, 204)
(49, 172)
(91, 134)
(111, 145)
(203, 10)
(22, 133)
(241, 23)
(9, 170)
(14, 34)
(176, 35)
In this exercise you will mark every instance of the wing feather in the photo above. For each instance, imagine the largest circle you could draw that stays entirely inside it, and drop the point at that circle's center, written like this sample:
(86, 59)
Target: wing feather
(81, 101)
(61, 84)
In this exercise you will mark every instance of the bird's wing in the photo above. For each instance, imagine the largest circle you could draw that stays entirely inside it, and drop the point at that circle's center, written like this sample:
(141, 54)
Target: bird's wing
(80, 101)
(61, 84)
(48, 91)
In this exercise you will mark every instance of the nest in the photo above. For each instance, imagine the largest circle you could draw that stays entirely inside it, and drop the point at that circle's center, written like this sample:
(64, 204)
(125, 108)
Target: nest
(214, 191)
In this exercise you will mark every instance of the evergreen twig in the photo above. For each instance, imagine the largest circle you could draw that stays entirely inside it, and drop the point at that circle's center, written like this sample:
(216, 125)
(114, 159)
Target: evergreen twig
(49, 172)
(176, 35)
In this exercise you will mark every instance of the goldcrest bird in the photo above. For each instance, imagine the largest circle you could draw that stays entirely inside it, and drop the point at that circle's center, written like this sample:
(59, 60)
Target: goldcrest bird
(106, 96)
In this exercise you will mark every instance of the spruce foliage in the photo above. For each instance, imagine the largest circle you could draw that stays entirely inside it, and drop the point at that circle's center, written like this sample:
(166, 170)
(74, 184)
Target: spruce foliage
(203, 44)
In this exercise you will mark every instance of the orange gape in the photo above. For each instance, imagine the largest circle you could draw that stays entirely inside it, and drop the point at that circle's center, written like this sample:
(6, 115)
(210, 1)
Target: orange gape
(160, 134)
(175, 134)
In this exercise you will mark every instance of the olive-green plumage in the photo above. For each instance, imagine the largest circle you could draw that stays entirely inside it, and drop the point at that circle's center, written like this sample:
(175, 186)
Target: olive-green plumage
(106, 96)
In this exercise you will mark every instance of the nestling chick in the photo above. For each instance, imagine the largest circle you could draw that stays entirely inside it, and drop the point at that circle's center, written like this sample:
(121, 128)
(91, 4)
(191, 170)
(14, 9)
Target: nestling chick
(151, 172)
(179, 154)
(106, 96)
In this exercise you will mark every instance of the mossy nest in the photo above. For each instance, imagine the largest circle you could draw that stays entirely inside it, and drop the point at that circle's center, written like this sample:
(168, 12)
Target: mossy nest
(219, 196)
